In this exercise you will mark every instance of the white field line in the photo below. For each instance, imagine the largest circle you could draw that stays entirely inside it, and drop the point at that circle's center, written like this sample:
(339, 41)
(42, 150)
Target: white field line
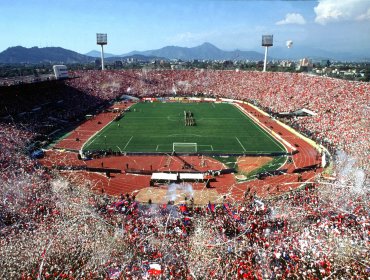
(263, 128)
(240, 143)
(295, 132)
(97, 137)
(128, 142)
(96, 133)
(210, 146)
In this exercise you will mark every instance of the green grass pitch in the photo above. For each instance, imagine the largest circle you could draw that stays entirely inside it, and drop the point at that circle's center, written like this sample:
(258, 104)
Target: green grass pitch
(154, 127)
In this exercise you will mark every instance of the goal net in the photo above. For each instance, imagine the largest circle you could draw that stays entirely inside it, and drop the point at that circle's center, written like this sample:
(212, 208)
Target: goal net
(185, 147)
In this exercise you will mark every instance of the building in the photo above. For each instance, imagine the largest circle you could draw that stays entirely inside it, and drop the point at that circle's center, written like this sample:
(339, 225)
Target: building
(60, 72)
(304, 64)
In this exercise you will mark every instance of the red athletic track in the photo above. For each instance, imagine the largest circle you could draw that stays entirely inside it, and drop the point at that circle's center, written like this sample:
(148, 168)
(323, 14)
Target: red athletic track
(88, 129)
(224, 184)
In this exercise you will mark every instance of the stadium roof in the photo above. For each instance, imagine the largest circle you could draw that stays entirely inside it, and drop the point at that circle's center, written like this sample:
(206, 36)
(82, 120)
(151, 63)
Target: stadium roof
(305, 111)
(300, 112)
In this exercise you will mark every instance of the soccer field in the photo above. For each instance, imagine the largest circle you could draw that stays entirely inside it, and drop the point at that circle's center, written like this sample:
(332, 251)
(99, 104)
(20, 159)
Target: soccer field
(154, 127)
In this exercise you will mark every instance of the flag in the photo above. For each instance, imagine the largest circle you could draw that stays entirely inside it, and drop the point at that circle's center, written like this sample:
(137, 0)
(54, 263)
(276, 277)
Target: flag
(155, 269)
(211, 207)
(227, 207)
(236, 216)
(233, 214)
(114, 273)
(186, 221)
(183, 209)
(118, 203)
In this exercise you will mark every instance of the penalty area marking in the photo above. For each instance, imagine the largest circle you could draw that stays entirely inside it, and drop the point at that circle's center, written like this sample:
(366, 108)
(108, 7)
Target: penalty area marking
(240, 143)
(128, 142)
(207, 146)
(182, 135)
(119, 149)
(210, 146)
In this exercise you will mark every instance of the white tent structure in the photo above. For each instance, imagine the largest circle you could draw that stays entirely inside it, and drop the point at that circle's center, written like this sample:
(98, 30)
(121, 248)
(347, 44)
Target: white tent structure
(164, 176)
(192, 176)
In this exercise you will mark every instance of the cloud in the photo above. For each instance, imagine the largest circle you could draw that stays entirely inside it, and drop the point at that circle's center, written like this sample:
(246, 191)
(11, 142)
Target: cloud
(342, 10)
(292, 18)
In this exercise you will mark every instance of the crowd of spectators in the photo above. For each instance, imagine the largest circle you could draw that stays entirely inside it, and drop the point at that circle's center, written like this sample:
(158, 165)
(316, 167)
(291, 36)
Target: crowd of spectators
(71, 233)
(50, 228)
(46, 107)
(12, 81)
(341, 106)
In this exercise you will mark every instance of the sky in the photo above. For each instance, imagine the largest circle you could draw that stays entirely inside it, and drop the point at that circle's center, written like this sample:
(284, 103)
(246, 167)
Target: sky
(336, 25)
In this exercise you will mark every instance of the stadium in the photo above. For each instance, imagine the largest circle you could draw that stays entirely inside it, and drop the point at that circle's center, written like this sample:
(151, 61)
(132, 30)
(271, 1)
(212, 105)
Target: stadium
(194, 174)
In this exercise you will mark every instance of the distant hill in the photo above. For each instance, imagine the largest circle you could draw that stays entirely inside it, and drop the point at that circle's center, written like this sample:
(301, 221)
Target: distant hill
(298, 52)
(42, 55)
(206, 51)
(138, 57)
(96, 54)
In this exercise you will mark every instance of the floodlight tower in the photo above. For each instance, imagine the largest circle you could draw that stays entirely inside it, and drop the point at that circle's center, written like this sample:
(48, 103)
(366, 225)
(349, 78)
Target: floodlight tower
(267, 41)
(101, 39)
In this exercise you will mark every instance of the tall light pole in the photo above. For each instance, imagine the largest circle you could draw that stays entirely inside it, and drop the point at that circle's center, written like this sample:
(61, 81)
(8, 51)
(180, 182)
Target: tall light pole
(101, 39)
(267, 41)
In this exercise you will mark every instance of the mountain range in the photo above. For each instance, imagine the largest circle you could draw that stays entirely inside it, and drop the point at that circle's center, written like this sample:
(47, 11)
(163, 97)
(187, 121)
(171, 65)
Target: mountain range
(298, 52)
(96, 54)
(206, 51)
(41, 55)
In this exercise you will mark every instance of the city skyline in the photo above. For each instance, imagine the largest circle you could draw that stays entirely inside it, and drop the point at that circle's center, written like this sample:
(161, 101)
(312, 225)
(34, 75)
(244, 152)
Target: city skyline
(341, 26)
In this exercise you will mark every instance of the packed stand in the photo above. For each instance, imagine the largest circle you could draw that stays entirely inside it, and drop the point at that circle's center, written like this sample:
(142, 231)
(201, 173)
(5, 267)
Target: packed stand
(49, 106)
(50, 228)
(81, 235)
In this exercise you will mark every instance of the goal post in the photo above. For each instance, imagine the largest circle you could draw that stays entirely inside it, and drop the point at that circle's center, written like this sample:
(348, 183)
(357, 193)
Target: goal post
(184, 147)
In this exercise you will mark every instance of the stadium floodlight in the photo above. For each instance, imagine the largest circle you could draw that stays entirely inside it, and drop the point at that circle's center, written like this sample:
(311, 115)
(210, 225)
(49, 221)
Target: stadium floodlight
(267, 41)
(101, 39)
